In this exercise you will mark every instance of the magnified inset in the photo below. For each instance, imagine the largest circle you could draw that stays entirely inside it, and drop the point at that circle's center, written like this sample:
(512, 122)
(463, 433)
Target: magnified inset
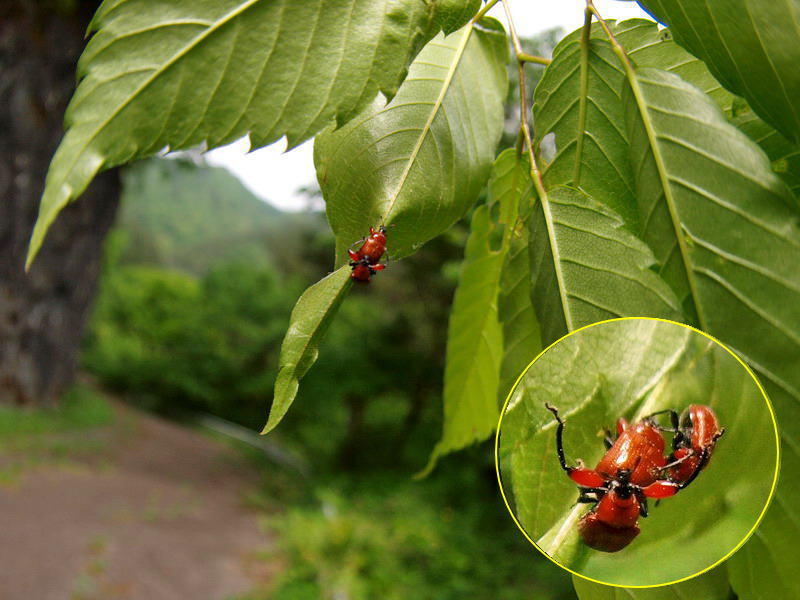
(637, 452)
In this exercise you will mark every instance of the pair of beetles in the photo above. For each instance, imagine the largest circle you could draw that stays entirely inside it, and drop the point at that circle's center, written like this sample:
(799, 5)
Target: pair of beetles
(635, 468)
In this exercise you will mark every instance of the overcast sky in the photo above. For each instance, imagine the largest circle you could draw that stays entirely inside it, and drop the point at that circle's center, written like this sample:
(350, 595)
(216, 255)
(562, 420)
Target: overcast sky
(276, 176)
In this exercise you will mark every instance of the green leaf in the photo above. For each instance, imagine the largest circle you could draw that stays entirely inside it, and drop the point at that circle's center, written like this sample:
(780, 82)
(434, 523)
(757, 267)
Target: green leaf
(310, 319)
(720, 223)
(475, 350)
(709, 586)
(766, 566)
(593, 379)
(783, 154)
(586, 267)
(521, 336)
(511, 194)
(452, 15)
(751, 46)
(597, 160)
(593, 157)
(174, 75)
(726, 222)
(474, 345)
(419, 162)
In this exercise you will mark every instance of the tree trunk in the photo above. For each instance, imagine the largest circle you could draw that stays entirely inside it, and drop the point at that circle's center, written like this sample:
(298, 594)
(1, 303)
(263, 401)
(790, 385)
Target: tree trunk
(43, 313)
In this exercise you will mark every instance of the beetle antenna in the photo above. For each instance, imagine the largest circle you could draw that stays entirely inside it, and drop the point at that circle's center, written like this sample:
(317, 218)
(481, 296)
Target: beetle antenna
(559, 438)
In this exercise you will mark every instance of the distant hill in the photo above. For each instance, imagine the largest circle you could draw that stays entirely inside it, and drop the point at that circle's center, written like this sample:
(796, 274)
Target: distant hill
(190, 217)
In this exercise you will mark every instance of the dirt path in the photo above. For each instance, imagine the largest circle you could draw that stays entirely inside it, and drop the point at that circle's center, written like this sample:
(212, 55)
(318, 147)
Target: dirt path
(158, 514)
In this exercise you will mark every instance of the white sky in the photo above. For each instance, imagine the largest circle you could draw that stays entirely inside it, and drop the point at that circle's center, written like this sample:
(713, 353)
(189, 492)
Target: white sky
(276, 176)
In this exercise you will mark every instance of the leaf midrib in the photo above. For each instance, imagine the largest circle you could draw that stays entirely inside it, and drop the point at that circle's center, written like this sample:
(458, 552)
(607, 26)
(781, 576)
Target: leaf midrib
(652, 139)
(459, 53)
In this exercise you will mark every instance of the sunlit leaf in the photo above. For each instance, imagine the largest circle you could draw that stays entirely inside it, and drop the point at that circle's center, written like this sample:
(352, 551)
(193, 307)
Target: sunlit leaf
(475, 349)
(591, 152)
(720, 223)
(419, 162)
(521, 335)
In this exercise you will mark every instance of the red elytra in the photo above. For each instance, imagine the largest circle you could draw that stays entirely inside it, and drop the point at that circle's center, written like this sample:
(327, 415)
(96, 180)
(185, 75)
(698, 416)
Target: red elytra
(631, 471)
(365, 260)
(638, 449)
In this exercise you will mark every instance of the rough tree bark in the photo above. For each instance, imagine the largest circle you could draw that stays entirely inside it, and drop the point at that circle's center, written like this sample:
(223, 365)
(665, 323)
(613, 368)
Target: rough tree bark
(43, 312)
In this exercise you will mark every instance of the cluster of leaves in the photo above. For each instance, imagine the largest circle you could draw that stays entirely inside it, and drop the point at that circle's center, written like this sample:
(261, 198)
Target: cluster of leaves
(662, 193)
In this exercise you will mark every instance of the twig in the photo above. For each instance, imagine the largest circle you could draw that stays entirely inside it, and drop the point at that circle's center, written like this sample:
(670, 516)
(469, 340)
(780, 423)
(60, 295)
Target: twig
(536, 175)
(484, 10)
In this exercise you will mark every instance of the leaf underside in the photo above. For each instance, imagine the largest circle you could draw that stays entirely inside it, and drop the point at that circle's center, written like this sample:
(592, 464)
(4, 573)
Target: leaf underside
(751, 46)
(419, 162)
(586, 267)
(161, 74)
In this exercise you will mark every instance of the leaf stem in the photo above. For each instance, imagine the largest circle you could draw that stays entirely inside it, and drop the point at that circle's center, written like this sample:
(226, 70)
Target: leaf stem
(584, 93)
(536, 174)
(538, 60)
(677, 225)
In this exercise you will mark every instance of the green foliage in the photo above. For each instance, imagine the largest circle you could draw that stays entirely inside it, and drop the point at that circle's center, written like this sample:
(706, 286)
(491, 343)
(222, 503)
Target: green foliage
(407, 541)
(474, 345)
(750, 46)
(176, 342)
(475, 336)
(174, 75)
(419, 162)
(594, 380)
(416, 123)
(585, 125)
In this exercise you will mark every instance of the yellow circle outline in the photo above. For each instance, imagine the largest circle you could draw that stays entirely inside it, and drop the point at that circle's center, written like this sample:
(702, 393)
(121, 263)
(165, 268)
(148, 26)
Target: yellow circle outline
(617, 585)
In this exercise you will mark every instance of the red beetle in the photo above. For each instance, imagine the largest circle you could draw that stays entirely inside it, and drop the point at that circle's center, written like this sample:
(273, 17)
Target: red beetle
(630, 472)
(366, 260)
(696, 434)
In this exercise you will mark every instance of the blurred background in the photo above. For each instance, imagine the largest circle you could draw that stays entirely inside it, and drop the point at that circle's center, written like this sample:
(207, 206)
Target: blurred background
(137, 362)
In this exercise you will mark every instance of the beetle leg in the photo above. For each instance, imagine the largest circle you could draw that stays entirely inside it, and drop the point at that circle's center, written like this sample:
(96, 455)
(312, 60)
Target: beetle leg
(361, 241)
(588, 495)
(704, 457)
(673, 420)
(642, 503)
(678, 461)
